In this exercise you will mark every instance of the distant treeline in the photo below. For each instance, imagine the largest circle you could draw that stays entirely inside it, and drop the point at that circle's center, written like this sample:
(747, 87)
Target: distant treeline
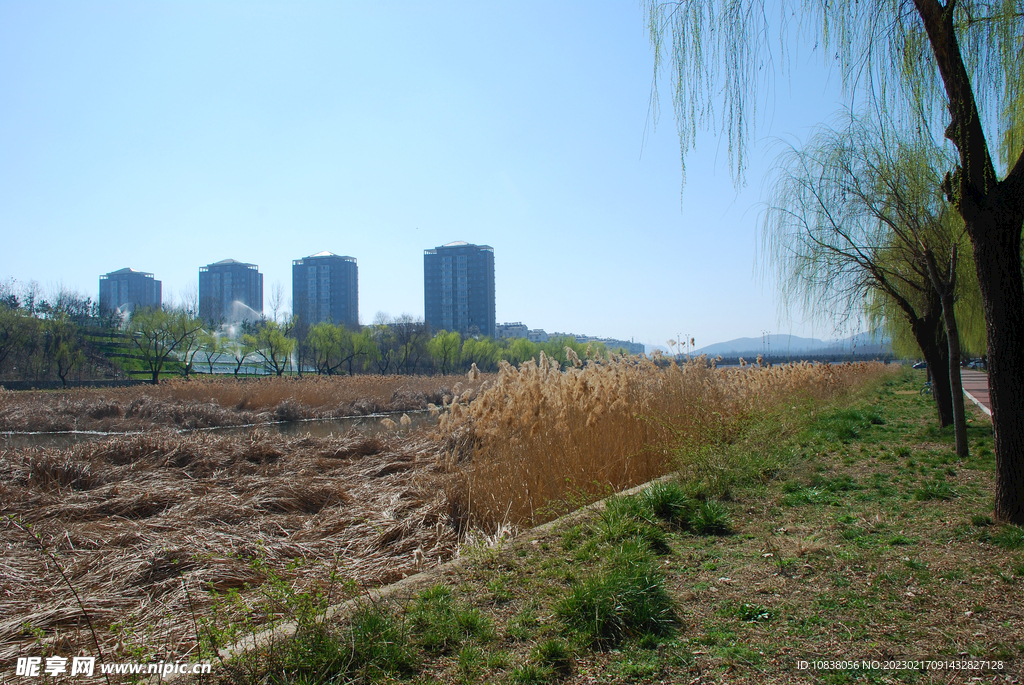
(65, 337)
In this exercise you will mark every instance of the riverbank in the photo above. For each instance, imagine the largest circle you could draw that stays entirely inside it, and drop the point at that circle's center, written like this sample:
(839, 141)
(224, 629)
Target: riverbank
(866, 551)
(161, 542)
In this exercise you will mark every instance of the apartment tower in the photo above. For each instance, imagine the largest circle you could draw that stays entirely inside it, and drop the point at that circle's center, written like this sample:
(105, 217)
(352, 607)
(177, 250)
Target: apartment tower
(126, 289)
(458, 288)
(325, 287)
(230, 292)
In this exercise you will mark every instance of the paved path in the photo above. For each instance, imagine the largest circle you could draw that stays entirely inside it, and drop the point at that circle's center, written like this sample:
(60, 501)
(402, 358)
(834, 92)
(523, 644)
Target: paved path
(976, 388)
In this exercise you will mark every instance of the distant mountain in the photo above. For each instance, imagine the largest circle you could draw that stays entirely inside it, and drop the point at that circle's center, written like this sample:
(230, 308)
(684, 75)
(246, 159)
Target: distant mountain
(779, 344)
(863, 343)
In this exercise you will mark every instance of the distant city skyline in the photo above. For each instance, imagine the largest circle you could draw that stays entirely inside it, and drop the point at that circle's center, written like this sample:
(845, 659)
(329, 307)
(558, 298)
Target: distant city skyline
(145, 134)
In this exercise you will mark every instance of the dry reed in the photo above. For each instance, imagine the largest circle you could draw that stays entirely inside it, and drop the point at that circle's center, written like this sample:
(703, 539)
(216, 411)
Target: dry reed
(539, 441)
(203, 402)
(130, 519)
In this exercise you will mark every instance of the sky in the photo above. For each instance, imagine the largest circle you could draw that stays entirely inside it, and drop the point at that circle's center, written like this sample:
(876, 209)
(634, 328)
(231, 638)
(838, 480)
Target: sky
(164, 136)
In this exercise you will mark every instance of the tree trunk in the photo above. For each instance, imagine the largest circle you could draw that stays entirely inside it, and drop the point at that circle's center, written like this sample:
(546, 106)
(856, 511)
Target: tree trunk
(946, 289)
(930, 338)
(997, 242)
(955, 385)
(937, 356)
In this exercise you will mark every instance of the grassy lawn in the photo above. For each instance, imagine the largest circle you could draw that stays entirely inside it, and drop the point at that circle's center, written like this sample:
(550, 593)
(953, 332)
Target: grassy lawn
(847, 532)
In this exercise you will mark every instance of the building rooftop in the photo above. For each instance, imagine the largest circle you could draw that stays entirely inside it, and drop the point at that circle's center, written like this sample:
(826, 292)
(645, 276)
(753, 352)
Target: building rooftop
(459, 243)
(128, 270)
(323, 254)
(225, 262)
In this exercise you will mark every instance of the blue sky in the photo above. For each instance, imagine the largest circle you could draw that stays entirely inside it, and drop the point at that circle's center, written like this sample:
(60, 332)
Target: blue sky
(168, 135)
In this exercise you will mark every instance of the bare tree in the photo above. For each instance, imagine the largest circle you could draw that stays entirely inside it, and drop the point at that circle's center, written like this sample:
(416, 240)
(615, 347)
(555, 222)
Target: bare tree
(277, 300)
(190, 299)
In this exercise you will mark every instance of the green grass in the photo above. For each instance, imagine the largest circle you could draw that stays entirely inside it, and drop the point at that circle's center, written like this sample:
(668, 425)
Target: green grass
(842, 425)
(441, 624)
(627, 598)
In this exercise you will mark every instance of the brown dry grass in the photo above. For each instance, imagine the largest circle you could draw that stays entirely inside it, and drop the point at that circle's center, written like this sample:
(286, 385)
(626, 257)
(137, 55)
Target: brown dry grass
(538, 441)
(207, 402)
(134, 521)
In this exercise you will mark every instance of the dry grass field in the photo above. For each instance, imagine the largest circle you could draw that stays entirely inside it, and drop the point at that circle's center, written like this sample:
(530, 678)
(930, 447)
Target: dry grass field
(151, 528)
(206, 402)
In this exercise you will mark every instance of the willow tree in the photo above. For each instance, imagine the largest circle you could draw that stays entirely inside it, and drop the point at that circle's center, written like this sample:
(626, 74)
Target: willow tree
(952, 66)
(858, 225)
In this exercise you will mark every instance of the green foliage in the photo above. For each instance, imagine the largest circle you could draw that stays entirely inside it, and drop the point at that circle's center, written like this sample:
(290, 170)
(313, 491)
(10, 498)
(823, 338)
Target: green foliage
(370, 646)
(272, 343)
(532, 674)
(483, 352)
(377, 643)
(842, 425)
(553, 654)
(157, 336)
(521, 350)
(213, 346)
(635, 518)
(444, 347)
(332, 347)
(63, 345)
(751, 613)
(668, 501)
(711, 518)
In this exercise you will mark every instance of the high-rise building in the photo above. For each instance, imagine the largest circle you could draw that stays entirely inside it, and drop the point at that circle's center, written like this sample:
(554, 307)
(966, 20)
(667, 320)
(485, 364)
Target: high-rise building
(458, 288)
(230, 291)
(325, 287)
(128, 289)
